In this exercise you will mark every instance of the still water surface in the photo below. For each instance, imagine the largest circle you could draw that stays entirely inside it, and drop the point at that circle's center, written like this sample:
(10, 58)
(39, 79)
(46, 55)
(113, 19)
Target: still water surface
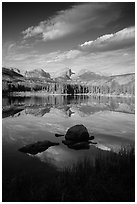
(27, 120)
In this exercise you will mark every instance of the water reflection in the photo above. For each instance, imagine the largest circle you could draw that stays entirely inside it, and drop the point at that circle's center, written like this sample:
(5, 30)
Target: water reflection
(61, 157)
(27, 120)
(84, 105)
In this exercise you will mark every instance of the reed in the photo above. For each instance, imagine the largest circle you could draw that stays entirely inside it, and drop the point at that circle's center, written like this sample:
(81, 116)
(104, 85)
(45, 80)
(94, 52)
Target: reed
(110, 179)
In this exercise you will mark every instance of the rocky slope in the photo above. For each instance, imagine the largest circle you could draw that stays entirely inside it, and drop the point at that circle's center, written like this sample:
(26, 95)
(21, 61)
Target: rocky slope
(37, 73)
(63, 75)
(11, 74)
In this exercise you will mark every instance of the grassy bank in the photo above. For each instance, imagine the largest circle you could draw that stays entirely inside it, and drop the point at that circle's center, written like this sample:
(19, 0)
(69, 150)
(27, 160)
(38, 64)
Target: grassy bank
(111, 178)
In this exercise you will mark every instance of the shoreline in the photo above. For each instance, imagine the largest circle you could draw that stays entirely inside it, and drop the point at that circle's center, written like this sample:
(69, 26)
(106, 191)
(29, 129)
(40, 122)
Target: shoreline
(29, 94)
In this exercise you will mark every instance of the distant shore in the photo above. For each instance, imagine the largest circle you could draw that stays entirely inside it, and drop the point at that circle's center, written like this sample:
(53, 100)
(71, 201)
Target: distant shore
(43, 93)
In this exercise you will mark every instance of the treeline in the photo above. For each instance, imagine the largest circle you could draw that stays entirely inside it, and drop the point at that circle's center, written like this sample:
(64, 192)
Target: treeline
(69, 88)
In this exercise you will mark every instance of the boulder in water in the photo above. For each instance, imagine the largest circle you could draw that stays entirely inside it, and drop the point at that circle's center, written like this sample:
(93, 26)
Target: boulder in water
(77, 133)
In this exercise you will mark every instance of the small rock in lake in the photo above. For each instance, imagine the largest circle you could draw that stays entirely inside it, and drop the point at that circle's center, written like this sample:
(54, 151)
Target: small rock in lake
(78, 133)
(77, 137)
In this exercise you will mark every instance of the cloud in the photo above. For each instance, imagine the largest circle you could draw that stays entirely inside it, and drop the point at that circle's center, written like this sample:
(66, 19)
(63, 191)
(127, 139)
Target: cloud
(11, 46)
(78, 18)
(67, 55)
(119, 40)
(87, 43)
(110, 53)
(98, 41)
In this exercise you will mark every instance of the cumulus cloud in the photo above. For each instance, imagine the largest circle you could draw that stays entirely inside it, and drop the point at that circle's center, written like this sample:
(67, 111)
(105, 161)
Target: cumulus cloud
(87, 43)
(119, 40)
(78, 18)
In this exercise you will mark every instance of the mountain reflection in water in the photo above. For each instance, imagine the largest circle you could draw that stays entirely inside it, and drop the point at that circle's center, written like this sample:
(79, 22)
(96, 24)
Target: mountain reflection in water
(85, 104)
(27, 120)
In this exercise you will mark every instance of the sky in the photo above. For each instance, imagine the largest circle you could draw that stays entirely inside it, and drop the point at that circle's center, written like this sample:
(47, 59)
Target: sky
(94, 36)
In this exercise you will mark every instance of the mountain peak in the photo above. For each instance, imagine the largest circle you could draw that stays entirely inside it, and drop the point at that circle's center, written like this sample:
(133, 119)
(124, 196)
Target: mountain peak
(64, 74)
(38, 73)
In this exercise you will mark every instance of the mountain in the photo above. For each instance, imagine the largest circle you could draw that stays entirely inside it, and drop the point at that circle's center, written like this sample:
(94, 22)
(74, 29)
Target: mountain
(15, 69)
(91, 78)
(10, 74)
(37, 73)
(124, 78)
(63, 82)
(63, 75)
(88, 76)
(13, 81)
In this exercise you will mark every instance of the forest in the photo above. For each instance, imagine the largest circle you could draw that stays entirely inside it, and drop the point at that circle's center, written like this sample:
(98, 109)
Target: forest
(68, 88)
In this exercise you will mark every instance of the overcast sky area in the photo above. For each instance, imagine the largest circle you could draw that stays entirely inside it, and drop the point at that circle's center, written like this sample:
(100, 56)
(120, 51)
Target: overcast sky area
(99, 37)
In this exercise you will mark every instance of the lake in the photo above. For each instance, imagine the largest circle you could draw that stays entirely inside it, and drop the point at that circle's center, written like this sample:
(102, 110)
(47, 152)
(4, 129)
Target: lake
(27, 120)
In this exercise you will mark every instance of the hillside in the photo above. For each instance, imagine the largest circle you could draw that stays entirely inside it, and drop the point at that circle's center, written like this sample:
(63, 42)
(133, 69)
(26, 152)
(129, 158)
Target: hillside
(10, 74)
(124, 79)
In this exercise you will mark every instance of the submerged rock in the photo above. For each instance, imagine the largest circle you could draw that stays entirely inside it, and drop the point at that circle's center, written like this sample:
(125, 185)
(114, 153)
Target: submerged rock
(37, 147)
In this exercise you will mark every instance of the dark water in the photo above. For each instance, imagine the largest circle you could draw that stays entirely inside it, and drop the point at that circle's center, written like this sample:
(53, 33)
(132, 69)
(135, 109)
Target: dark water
(27, 120)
